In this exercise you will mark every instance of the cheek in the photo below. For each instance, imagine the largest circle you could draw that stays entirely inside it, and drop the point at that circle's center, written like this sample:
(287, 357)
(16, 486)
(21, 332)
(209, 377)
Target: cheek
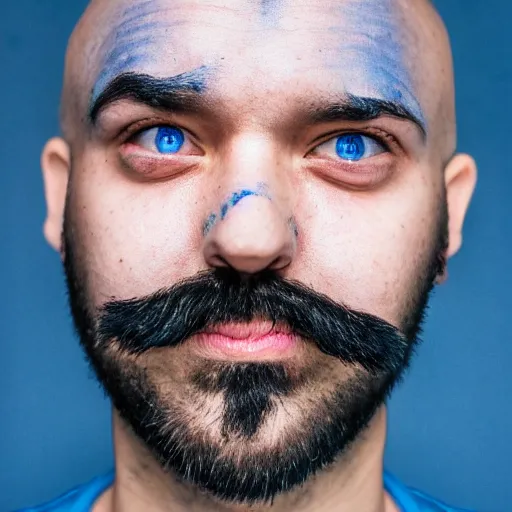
(134, 238)
(364, 249)
(368, 250)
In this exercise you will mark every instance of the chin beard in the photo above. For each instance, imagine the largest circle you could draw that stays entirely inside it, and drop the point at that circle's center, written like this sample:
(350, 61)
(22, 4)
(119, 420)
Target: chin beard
(233, 461)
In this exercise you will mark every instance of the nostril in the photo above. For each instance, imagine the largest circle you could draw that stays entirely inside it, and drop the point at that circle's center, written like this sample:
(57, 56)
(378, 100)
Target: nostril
(215, 260)
(280, 263)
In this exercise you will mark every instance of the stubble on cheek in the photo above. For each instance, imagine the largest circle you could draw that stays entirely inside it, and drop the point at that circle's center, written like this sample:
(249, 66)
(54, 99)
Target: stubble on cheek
(129, 241)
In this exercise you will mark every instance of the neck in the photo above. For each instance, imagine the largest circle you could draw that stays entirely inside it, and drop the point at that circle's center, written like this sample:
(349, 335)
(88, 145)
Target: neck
(353, 483)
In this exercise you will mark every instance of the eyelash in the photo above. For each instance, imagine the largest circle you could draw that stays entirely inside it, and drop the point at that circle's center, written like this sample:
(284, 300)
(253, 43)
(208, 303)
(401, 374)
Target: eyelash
(363, 174)
(388, 141)
(131, 132)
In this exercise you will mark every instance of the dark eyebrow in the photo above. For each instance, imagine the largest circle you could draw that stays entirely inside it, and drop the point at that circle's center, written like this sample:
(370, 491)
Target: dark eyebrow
(179, 93)
(357, 108)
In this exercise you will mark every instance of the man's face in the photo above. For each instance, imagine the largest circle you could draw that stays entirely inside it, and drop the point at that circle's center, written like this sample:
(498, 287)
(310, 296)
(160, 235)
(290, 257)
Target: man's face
(279, 154)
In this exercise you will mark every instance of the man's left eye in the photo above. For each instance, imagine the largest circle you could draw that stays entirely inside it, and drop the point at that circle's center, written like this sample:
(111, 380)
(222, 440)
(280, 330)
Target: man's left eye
(351, 147)
(166, 140)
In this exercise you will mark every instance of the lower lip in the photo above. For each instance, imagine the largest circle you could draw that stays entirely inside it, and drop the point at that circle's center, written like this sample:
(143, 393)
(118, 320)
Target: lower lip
(269, 346)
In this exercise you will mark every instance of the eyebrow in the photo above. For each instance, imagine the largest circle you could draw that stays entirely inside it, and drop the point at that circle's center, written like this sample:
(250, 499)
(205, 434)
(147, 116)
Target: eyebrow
(178, 93)
(357, 108)
(182, 93)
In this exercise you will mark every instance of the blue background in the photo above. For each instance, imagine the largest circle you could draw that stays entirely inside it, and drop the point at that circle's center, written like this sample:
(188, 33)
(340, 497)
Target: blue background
(450, 423)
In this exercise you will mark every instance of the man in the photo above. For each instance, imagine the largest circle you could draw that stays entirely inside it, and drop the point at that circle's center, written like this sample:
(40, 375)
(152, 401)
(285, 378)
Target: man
(255, 199)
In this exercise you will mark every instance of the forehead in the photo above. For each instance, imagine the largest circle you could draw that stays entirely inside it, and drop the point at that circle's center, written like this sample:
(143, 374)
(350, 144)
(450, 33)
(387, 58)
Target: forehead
(358, 47)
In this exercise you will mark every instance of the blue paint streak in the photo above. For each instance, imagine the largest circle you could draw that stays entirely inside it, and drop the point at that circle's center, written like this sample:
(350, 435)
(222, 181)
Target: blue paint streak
(138, 8)
(270, 12)
(235, 198)
(229, 204)
(210, 222)
(372, 58)
(293, 226)
(133, 44)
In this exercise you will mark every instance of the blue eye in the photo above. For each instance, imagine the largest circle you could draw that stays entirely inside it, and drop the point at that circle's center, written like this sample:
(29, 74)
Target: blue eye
(166, 140)
(351, 147)
(354, 147)
(169, 139)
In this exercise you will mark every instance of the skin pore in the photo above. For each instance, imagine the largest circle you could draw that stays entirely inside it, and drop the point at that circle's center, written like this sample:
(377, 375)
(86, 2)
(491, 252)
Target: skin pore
(262, 94)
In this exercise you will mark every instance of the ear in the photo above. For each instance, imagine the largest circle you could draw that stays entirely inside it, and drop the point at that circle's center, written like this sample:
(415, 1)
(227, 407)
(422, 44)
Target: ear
(56, 164)
(460, 181)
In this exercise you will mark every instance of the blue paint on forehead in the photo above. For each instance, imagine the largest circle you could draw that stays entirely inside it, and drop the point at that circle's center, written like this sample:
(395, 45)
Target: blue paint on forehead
(260, 191)
(129, 47)
(372, 53)
(369, 53)
(270, 12)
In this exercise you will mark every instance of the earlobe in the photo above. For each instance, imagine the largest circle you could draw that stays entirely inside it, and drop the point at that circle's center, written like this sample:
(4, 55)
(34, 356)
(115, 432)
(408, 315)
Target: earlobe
(56, 164)
(460, 181)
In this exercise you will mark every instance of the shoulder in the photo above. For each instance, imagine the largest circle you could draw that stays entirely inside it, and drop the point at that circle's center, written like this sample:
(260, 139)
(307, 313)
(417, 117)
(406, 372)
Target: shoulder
(79, 499)
(412, 500)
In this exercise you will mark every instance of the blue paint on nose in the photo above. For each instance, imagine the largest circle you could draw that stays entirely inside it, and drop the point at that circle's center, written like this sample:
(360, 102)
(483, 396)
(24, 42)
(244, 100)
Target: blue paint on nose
(231, 202)
(210, 222)
(235, 198)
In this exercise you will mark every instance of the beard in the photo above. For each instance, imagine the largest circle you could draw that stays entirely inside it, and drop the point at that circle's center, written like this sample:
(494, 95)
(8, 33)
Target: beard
(245, 432)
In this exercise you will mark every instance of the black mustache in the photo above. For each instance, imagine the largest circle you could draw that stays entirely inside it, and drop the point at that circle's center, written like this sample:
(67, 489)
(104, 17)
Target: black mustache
(171, 316)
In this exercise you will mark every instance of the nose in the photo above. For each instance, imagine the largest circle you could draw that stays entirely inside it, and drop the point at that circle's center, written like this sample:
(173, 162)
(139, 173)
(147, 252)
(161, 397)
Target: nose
(250, 234)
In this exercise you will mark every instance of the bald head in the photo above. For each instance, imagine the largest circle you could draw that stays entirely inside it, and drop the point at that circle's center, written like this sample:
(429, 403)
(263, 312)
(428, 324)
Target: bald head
(389, 50)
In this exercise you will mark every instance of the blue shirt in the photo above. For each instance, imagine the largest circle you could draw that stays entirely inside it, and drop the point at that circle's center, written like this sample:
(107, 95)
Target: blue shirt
(82, 499)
